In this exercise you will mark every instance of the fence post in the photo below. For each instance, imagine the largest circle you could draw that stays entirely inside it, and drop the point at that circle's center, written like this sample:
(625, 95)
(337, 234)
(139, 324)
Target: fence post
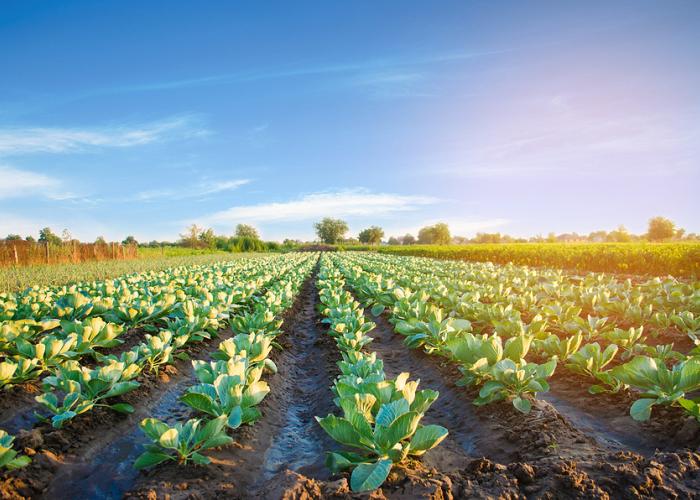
(75, 253)
(47, 251)
(14, 249)
(113, 256)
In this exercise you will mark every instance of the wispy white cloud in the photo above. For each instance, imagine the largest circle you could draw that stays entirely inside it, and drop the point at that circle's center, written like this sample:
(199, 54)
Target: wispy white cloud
(346, 203)
(17, 183)
(196, 190)
(17, 140)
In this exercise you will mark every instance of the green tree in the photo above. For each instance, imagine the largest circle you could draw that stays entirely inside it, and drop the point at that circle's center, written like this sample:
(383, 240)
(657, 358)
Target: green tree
(208, 238)
(13, 237)
(130, 240)
(660, 228)
(372, 235)
(408, 239)
(247, 231)
(331, 230)
(100, 240)
(48, 236)
(190, 238)
(30, 239)
(439, 234)
(394, 241)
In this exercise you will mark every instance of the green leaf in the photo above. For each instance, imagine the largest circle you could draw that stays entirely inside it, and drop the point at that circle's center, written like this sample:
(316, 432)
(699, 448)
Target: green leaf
(150, 458)
(377, 309)
(199, 402)
(235, 418)
(153, 428)
(641, 409)
(367, 477)
(200, 459)
(18, 463)
(340, 461)
(522, 405)
(169, 439)
(341, 430)
(58, 420)
(427, 438)
(122, 408)
(120, 388)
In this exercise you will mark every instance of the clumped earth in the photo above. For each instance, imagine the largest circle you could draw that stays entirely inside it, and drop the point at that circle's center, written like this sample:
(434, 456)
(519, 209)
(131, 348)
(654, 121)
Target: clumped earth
(572, 444)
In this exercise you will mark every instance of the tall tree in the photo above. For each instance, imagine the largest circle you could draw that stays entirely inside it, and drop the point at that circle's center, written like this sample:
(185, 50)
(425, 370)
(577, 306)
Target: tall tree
(661, 228)
(247, 231)
(372, 235)
(331, 230)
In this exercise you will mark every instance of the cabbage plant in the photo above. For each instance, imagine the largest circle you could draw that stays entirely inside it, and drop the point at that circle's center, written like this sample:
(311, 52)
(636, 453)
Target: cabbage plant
(81, 389)
(181, 443)
(384, 427)
(9, 459)
(659, 384)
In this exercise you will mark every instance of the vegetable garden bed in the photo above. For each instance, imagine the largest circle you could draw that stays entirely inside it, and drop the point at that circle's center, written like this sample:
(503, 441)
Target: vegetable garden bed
(331, 376)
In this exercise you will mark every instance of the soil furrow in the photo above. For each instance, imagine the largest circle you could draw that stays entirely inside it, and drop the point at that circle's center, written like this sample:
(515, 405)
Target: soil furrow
(286, 438)
(105, 469)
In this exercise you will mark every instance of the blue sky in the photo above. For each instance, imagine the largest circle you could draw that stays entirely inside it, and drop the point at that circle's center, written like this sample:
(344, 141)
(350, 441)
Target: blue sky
(521, 117)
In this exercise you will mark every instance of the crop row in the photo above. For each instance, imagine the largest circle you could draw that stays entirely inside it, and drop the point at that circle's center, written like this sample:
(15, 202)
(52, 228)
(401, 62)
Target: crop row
(655, 259)
(380, 418)
(55, 329)
(507, 328)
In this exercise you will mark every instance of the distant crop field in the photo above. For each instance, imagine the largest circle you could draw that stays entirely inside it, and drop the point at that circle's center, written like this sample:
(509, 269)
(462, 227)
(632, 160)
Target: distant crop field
(18, 278)
(681, 260)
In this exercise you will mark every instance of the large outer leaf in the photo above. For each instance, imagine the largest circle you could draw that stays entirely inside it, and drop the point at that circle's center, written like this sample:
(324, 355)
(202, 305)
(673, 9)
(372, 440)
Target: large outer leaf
(150, 458)
(690, 375)
(367, 477)
(641, 372)
(427, 438)
(341, 430)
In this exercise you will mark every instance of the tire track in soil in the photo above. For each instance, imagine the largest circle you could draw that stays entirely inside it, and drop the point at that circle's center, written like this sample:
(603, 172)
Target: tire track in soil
(287, 437)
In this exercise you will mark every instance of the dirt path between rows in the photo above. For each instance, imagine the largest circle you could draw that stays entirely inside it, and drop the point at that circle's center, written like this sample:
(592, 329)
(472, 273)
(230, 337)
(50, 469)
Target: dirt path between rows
(287, 438)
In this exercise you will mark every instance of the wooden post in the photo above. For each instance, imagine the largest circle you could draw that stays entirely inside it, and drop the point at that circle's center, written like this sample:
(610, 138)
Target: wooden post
(47, 251)
(113, 256)
(14, 249)
(75, 252)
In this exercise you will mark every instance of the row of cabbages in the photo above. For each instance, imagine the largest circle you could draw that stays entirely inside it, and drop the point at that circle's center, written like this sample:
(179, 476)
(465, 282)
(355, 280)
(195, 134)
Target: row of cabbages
(193, 309)
(488, 328)
(380, 417)
(194, 301)
(229, 387)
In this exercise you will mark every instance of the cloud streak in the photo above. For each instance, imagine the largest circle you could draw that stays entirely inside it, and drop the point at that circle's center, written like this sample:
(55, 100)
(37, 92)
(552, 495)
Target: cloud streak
(16, 183)
(346, 203)
(198, 190)
(16, 141)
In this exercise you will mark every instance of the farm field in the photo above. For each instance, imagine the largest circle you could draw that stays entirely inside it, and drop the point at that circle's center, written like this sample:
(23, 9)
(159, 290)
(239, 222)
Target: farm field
(17, 278)
(679, 259)
(329, 375)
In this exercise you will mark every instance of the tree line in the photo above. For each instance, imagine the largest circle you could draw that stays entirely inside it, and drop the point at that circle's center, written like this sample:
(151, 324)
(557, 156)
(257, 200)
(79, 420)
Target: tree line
(333, 231)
